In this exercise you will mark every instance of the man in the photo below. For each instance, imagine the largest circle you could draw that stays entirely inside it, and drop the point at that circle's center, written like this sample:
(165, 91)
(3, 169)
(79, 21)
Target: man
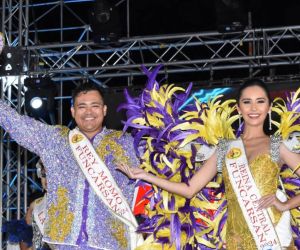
(87, 200)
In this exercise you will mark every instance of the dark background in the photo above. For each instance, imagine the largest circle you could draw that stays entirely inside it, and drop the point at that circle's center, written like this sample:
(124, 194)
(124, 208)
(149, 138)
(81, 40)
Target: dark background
(162, 17)
(175, 16)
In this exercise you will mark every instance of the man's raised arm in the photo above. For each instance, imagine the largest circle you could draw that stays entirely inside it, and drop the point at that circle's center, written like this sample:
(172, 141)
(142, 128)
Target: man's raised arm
(26, 131)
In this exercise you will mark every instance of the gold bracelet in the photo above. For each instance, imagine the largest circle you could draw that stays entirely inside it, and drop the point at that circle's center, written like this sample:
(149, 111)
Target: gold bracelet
(294, 171)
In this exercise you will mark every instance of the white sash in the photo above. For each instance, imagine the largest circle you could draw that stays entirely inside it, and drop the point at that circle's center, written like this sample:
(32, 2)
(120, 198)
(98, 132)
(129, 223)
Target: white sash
(258, 221)
(102, 182)
(39, 213)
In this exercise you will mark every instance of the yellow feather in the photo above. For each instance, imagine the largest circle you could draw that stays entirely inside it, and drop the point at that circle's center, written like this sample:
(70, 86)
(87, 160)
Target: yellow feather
(189, 139)
(171, 91)
(187, 126)
(205, 242)
(169, 109)
(165, 196)
(295, 96)
(152, 120)
(140, 121)
(149, 144)
(171, 165)
(164, 232)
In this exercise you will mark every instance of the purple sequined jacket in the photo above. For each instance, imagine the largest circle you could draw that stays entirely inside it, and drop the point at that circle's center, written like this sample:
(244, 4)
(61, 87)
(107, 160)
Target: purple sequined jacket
(76, 218)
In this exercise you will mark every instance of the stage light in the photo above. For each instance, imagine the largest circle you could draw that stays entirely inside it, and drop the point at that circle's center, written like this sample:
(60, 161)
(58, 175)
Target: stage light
(39, 98)
(36, 102)
(107, 22)
(103, 11)
(231, 16)
(11, 61)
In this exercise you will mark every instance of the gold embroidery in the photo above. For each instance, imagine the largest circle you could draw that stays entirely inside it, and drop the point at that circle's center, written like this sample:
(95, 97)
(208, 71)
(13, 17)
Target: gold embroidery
(265, 173)
(110, 146)
(60, 219)
(64, 131)
(118, 231)
(77, 138)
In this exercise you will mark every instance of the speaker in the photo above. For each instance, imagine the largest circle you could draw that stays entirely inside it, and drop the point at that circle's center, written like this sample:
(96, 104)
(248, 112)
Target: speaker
(107, 21)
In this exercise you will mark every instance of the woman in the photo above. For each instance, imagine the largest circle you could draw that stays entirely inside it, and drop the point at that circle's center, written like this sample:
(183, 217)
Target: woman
(250, 166)
(36, 213)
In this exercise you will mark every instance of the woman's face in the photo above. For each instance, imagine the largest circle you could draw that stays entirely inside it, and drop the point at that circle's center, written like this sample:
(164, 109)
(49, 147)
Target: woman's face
(254, 106)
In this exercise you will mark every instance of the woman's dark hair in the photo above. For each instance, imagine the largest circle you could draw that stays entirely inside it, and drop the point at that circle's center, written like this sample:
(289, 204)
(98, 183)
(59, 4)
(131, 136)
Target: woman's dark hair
(250, 83)
(84, 88)
(256, 82)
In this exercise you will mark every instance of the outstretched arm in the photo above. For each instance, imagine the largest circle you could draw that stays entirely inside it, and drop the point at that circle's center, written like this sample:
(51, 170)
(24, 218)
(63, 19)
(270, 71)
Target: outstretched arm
(293, 161)
(27, 132)
(197, 182)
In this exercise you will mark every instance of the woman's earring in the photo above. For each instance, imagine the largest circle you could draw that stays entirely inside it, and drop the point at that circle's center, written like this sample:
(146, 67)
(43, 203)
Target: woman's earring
(240, 120)
(270, 121)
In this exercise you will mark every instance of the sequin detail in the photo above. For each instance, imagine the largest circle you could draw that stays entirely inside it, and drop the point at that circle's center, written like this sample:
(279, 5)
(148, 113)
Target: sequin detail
(60, 218)
(118, 231)
(37, 237)
(265, 172)
(274, 148)
(64, 131)
(51, 144)
(37, 242)
(109, 146)
(221, 152)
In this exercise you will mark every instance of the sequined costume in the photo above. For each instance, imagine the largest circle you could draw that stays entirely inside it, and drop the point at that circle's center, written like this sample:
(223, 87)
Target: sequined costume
(37, 239)
(76, 217)
(265, 171)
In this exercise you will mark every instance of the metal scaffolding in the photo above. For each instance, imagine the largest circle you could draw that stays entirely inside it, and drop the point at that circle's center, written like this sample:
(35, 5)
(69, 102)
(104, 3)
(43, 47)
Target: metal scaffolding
(64, 50)
(252, 49)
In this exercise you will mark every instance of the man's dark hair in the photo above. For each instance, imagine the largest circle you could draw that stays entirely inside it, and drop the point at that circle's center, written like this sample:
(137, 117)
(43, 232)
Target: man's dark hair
(84, 88)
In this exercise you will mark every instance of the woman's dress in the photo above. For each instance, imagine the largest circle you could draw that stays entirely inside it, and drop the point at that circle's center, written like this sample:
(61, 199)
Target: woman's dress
(265, 171)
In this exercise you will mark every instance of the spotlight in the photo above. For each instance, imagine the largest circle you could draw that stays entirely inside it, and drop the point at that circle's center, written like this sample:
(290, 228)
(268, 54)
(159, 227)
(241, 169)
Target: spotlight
(36, 102)
(107, 21)
(11, 61)
(39, 98)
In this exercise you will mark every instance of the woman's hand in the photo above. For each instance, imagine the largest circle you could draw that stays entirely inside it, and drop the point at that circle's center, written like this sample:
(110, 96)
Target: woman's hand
(132, 173)
(271, 200)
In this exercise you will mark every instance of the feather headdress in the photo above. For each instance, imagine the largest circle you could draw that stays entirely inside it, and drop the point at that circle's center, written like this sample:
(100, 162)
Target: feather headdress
(289, 112)
(161, 129)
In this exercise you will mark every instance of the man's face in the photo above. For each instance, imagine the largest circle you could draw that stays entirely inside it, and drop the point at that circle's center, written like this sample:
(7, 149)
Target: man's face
(89, 112)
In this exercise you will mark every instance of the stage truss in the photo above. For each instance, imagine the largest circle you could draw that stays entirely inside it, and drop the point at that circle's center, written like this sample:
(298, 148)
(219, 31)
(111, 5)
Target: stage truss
(65, 51)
